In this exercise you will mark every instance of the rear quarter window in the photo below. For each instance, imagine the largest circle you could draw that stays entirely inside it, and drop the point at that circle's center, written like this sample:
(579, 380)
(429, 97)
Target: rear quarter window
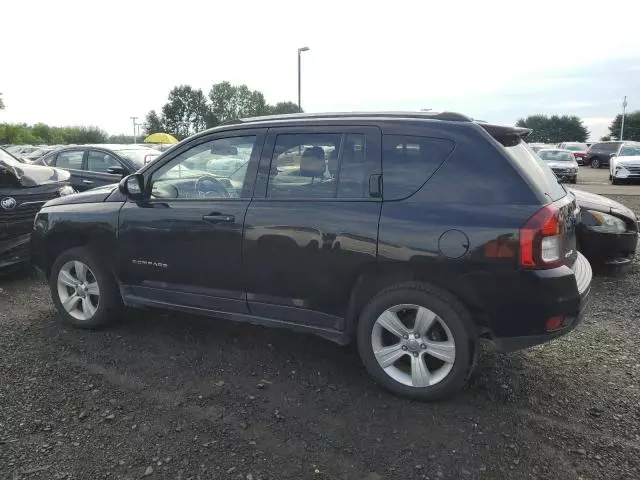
(408, 162)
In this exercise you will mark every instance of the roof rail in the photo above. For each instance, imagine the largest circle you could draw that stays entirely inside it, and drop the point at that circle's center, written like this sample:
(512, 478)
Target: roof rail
(448, 116)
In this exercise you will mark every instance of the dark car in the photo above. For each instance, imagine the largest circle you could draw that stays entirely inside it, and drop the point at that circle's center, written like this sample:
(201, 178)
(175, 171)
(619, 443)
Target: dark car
(608, 232)
(599, 153)
(579, 150)
(414, 235)
(97, 165)
(562, 163)
(23, 190)
(39, 153)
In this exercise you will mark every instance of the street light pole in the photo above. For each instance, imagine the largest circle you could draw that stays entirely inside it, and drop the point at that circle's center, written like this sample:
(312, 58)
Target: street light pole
(300, 50)
(624, 110)
(134, 128)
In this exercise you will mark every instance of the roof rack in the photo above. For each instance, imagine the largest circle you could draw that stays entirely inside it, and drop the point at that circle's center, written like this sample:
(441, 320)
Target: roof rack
(448, 116)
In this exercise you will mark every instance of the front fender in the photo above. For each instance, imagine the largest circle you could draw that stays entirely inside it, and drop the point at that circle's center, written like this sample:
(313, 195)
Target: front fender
(58, 228)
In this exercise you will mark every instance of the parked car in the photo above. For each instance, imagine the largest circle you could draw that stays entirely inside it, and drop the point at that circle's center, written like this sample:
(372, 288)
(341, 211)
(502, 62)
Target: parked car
(608, 232)
(538, 146)
(624, 164)
(561, 162)
(599, 153)
(38, 153)
(19, 151)
(414, 235)
(97, 165)
(579, 150)
(23, 190)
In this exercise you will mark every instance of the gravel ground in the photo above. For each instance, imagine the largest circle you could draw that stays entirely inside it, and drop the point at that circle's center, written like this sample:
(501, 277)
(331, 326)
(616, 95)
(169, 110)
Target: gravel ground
(179, 397)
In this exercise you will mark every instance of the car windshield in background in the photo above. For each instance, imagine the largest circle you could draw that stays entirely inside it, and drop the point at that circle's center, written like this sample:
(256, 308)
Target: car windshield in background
(8, 159)
(629, 150)
(537, 170)
(555, 156)
(139, 155)
(576, 147)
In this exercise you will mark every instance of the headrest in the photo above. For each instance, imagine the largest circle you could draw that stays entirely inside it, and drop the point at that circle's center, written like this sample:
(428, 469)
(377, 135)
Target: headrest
(312, 162)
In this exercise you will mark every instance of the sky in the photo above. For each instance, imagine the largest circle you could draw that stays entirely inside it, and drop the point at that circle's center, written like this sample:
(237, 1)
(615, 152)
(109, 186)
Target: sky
(99, 63)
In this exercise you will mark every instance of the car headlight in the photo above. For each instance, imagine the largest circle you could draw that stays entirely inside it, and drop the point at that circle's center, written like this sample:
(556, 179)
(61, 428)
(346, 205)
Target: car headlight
(606, 223)
(66, 190)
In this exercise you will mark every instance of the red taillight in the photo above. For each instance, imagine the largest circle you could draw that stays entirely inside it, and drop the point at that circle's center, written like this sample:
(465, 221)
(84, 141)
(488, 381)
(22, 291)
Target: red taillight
(541, 239)
(554, 323)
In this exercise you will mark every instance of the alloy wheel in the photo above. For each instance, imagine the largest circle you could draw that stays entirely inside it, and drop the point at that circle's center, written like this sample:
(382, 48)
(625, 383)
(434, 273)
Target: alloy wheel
(78, 290)
(413, 345)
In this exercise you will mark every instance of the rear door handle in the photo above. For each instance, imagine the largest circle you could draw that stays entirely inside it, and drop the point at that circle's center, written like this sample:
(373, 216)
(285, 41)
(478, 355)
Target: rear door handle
(88, 182)
(219, 218)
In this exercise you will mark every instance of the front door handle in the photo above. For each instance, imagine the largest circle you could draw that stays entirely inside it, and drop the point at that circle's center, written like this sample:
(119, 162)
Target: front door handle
(88, 182)
(219, 218)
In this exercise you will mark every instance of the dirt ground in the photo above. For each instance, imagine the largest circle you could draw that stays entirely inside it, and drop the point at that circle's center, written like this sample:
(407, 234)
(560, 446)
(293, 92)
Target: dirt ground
(172, 396)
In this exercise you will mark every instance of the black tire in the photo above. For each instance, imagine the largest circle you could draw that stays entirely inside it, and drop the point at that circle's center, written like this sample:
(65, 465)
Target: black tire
(595, 162)
(110, 302)
(450, 310)
(574, 180)
(615, 181)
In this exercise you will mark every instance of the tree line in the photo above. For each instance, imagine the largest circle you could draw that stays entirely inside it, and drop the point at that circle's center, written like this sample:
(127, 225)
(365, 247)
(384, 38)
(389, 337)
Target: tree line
(569, 128)
(188, 110)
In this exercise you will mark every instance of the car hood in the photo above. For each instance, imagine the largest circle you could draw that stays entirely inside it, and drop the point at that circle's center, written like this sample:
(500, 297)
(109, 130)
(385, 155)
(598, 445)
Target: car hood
(592, 201)
(630, 160)
(35, 175)
(95, 195)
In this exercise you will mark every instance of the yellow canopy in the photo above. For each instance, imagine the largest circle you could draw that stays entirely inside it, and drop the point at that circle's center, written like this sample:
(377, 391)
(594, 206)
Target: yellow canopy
(160, 138)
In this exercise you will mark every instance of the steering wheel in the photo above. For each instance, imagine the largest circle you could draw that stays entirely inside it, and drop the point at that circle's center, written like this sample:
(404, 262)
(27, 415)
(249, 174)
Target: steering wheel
(210, 186)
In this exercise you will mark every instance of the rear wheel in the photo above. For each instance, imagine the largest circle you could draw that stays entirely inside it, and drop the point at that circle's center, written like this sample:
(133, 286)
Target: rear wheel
(417, 341)
(84, 292)
(595, 162)
(615, 181)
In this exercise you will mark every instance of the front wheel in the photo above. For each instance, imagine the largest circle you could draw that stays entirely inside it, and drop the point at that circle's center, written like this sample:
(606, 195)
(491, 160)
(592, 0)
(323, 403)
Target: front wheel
(595, 163)
(83, 291)
(417, 341)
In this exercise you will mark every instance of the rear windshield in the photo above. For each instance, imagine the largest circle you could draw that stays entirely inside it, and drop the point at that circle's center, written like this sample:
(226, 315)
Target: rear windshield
(537, 170)
(555, 156)
(576, 147)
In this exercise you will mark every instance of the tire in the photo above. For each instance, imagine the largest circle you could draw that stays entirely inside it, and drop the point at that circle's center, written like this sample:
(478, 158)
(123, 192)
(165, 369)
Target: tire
(595, 162)
(615, 181)
(89, 310)
(451, 323)
(574, 180)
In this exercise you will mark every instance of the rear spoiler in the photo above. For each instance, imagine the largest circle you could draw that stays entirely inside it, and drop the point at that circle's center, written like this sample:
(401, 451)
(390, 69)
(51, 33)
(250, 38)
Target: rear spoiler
(507, 136)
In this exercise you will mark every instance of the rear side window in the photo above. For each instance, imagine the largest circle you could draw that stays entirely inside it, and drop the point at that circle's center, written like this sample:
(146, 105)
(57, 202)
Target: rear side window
(72, 159)
(409, 161)
(605, 147)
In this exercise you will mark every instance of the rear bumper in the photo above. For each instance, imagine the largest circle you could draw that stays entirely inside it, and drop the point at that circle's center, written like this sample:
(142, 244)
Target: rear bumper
(608, 248)
(559, 301)
(14, 251)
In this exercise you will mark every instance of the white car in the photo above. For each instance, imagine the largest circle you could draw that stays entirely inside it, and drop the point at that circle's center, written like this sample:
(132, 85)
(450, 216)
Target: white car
(625, 163)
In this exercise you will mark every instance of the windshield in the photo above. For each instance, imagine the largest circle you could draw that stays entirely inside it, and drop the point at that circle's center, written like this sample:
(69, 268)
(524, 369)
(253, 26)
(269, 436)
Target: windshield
(555, 156)
(537, 170)
(138, 155)
(8, 159)
(576, 147)
(629, 150)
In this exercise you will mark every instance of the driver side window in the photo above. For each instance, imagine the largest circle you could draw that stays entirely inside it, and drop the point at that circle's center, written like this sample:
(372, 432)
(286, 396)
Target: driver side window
(211, 170)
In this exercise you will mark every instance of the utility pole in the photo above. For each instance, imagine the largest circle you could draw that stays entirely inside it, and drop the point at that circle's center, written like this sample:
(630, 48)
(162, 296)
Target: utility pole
(134, 128)
(624, 111)
(300, 50)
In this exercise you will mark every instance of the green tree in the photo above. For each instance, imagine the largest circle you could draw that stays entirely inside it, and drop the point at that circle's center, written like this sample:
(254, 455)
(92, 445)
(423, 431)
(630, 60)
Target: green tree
(186, 111)
(153, 123)
(631, 126)
(554, 129)
(230, 102)
(281, 108)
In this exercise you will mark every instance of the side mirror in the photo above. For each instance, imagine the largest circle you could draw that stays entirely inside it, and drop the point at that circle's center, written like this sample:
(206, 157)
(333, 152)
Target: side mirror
(116, 170)
(132, 186)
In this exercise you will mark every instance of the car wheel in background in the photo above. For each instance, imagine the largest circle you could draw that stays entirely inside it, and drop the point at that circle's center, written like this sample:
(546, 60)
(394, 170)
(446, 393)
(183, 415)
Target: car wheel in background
(417, 341)
(615, 181)
(84, 292)
(595, 162)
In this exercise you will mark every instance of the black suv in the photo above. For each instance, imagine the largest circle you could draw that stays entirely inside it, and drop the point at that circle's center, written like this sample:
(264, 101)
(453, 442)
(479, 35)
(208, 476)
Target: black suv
(600, 153)
(414, 235)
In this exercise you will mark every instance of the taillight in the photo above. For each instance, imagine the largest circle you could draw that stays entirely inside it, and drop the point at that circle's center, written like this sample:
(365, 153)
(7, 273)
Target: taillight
(541, 240)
